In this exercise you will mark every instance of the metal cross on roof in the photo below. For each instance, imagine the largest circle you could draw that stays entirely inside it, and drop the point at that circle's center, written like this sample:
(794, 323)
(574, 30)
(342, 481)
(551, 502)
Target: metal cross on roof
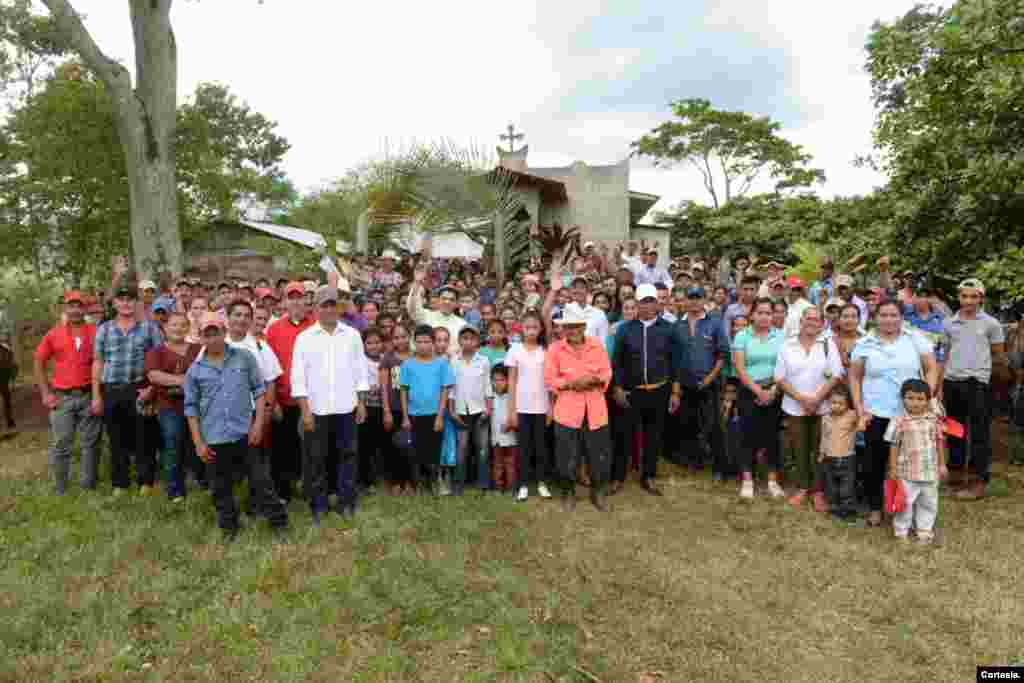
(512, 136)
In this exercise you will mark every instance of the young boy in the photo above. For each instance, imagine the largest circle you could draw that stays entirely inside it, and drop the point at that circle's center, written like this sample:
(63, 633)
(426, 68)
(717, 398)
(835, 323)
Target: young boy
(731, 430)
(917, 459)
(506, 449)
(470, 409)
(425, 381)
(838, 442)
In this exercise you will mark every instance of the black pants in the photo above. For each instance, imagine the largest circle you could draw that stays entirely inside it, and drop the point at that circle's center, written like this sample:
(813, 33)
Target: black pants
(760, 430)
(230, 460)
(399, 467)
(534, 453)
(125, 430)
(372, 440)
(426, 446)
(622, 440)
(6, 377)
(287, 452)
(332, 435)
(698, 417)
(647, 412)
(574, 446)
(841, 485)
(969, 402)
(876, 462)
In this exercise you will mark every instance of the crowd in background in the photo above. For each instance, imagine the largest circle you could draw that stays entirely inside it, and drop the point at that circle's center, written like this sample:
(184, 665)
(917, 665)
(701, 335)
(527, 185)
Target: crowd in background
(417, 374)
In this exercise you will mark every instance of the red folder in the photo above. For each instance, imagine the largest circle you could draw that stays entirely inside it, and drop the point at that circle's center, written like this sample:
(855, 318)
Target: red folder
(953, 428)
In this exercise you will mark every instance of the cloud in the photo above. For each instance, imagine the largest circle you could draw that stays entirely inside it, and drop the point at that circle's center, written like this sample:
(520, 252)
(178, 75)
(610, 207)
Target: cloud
(582, 78)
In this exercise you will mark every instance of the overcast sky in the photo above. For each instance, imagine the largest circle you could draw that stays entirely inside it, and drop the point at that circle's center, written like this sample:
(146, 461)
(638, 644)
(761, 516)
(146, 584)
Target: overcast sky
(581, 78)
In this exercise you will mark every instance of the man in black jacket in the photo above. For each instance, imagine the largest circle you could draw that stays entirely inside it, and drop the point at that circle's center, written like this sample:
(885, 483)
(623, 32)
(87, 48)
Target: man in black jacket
(645, 380)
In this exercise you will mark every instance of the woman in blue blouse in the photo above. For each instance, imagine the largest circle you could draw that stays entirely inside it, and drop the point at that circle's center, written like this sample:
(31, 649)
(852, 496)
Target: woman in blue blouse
(754, 352)
(879, 365)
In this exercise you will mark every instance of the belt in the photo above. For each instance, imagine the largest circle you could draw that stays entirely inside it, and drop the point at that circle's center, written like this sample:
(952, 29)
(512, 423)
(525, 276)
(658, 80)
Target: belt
(118, 385)
(650, 387)
(87, 388)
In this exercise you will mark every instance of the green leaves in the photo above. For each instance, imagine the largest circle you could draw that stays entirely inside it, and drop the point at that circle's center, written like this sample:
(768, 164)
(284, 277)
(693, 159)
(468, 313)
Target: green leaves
(731, 150)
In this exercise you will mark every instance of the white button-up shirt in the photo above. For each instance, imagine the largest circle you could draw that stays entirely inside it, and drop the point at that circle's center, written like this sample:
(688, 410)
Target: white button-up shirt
(329, 369)
(807, 372)
(270, 368)
(472, 383)
(597, 322)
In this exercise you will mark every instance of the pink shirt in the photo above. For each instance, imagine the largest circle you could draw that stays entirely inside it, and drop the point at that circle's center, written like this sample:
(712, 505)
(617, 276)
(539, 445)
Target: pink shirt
(564, 364)
(531, 394)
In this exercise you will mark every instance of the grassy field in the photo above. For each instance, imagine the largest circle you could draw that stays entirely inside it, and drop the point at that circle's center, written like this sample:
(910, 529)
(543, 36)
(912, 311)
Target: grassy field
(691, 587)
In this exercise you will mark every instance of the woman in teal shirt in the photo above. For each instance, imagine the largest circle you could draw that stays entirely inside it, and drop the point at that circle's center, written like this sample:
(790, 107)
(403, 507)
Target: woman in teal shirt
(754, 352)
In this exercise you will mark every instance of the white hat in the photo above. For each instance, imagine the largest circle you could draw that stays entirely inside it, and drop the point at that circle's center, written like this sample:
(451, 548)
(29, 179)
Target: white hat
(572, 314)
(343, 285)
(311, 286)
(147, 284)
(587, 245)
(390, 253)
(646, 292)
(835, 301)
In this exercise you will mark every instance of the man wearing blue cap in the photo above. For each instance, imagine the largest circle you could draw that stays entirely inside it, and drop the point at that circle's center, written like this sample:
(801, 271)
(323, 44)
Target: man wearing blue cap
(704, 346)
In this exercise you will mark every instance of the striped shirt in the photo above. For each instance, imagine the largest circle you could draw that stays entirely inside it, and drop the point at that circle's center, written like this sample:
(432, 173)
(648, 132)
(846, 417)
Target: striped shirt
(917, 439)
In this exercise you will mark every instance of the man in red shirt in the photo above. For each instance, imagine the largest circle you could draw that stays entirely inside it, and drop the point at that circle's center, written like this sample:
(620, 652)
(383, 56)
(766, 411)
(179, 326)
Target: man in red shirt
(69, 399)
(286, 455)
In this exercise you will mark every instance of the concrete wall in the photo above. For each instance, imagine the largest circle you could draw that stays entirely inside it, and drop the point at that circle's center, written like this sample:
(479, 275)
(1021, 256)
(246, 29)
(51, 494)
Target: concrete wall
(598, 200)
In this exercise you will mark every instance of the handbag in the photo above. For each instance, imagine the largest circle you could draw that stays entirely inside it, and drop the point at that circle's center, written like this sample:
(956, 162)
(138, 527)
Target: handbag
(895, 497)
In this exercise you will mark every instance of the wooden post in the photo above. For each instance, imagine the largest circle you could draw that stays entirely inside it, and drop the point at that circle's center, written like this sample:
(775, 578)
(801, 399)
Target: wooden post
(500, 257)
(363, 233)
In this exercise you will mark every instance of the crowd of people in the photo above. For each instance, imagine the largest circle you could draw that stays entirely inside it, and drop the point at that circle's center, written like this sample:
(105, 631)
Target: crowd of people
(441, 379)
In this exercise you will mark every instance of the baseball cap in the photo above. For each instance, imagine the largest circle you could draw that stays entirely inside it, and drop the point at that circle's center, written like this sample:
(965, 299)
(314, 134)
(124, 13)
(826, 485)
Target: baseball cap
(326, 294)
(147, 284)
(243, 284)
(125, 292)
(183, 281)
(212, 320)
(587, 245)
(646, 292)
(795, 283)
(310, 286)
(263, 293)
(834, 302)
(844, 281)
(163, 304)
(472, 329)
(73, 295)
(972, 283)
(695, 293)
(294, 288)
(651, 250)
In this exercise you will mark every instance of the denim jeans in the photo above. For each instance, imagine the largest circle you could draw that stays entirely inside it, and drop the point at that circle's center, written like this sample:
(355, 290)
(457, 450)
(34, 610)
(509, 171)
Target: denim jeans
(473, 440)
(332, 434)
(230, 460)
(172, 452)
(72, 414)
(125, 429)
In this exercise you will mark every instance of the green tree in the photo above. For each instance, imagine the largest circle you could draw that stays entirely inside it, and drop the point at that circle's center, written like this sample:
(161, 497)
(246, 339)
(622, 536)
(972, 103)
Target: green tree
(949, 87)
(731, 150)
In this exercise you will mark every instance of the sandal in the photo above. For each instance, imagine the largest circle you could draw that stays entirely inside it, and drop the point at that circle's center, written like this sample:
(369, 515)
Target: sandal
(874, 518)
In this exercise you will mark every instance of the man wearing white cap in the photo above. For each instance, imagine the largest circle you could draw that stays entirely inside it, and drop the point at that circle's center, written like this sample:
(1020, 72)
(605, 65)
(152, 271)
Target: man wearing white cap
(976, 343)
(577, 372)
(387, 276)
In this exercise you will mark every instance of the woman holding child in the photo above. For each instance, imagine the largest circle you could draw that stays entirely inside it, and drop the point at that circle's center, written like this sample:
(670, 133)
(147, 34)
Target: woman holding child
(879, 365)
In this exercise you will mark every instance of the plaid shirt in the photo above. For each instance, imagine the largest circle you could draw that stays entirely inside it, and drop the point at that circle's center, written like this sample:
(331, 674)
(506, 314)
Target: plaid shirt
(917, 440)
(124, 355)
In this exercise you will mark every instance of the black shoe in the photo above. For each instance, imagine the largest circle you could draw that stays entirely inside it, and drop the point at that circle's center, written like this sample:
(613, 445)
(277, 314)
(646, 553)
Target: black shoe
(649, 486)
(230, 535)
(279, 534)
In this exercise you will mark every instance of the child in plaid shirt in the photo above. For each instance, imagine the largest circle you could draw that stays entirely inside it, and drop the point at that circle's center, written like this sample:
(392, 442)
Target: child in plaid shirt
(917, 459)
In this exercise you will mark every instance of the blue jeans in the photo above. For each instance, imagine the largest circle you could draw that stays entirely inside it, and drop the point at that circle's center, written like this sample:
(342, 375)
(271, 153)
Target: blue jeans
(172, 429)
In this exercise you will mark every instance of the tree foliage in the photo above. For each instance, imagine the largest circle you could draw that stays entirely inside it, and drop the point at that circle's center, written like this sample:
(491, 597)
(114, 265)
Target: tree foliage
(730, 149)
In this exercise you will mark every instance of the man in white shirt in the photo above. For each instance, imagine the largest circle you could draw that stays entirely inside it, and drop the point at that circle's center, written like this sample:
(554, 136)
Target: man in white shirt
(443, 317)
(651, 274)
(631, 259)
(797, 305)
(329, 381)
(597, 321)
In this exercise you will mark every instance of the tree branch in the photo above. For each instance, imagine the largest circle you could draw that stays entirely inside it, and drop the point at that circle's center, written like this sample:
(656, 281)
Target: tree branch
(79, 39)
(709, 180)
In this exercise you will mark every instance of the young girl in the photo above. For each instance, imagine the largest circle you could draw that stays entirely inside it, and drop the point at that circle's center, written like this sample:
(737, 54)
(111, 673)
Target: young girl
(529, 406)
(497, 345)
(503, 439)
(732, 429)
(371, 433)
(400, 460)
(425, 381)
(838, 443)
(513, 328)
(917, 459)
(449, 440)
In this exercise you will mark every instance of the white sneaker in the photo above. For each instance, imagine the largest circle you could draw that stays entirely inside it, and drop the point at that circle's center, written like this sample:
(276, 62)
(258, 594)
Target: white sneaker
(542, 490)
(522, 494)
(747, 489)
(774, 490)
(444, 488)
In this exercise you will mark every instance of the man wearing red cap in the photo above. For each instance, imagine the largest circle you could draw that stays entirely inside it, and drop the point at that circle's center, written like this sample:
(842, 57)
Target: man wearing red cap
(797, 305)
(69, 399)
(285, 459)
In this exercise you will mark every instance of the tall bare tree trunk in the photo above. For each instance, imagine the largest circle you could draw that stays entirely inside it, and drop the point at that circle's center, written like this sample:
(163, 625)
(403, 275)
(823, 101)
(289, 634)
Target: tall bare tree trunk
(146, 116)
(500, 248)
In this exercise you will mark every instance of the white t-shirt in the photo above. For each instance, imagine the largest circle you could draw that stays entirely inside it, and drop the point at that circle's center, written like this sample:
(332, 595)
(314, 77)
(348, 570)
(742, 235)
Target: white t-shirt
(531, 395)
(806, 372)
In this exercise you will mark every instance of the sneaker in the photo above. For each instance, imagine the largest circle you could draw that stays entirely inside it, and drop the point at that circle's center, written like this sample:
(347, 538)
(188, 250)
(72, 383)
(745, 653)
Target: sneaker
(118, 492)
(443, 487)
(178, 499)
(542, 490)
(796, 499)
(923, 540)
(522, 494)
(903, 538)
(774, 490)
(747, 489)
